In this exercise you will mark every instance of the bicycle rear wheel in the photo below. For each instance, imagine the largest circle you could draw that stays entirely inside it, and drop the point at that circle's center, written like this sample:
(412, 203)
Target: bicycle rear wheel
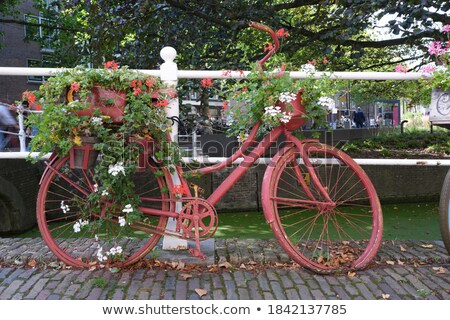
(324, 236)
(85, 239)
(444, 212)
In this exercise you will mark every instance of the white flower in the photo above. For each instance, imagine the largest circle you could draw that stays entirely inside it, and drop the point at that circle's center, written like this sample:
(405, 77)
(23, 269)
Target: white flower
(122, 221)
(97, 120)
(96, 237)
(64, 207)
(112, 251)
(95, 186)
(76, 227)
(326, 102)
(116, 169)
(100, 255)
(287, 97)
(285, 118)
(105, 193)
(119, 249)
(127, 209)
(308, 68)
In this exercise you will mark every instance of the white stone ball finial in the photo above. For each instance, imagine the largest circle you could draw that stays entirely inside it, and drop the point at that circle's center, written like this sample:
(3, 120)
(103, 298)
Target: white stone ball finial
(169, 69)
(168, 54)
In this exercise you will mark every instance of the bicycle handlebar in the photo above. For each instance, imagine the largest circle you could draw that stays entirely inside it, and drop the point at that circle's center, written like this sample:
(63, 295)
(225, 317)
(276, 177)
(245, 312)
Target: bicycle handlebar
(276, 44)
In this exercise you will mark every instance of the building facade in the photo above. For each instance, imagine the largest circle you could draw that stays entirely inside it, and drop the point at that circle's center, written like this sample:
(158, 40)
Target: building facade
(19, 48)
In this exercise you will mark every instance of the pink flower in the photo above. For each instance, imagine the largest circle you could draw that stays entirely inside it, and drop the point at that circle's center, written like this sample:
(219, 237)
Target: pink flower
(435, 48)
(401, 68)
(224, 105)
(446, 28)
(428, 69)
(137, 91)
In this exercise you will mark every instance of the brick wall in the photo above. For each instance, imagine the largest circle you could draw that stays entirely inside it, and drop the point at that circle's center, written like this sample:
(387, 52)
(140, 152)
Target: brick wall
(14, 52)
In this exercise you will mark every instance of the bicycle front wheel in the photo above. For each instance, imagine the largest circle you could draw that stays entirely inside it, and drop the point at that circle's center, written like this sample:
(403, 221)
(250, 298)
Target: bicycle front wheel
(341, 231)
(82, 233)
(444, 212)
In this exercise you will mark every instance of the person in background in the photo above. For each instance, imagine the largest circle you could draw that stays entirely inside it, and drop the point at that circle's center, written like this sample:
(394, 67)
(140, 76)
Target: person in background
(6, 121)
(359, 118)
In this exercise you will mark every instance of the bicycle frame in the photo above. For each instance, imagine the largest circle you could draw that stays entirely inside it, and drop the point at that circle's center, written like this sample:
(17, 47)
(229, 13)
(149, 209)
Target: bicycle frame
(249, 158)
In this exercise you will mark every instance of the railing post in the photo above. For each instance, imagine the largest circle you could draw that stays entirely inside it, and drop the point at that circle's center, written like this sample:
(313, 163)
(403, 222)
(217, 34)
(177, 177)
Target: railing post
(22, 136)
(194, 145)
(169, 75)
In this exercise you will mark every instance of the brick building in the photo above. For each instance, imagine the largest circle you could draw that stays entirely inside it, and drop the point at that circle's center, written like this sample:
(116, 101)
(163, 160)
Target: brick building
(19, 48)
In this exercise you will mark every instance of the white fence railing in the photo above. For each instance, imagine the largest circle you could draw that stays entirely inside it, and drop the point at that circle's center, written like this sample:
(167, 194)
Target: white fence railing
(170, 74)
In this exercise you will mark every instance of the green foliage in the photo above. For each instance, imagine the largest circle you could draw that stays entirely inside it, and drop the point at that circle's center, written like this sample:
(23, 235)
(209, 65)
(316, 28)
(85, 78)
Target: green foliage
(61, 128)
(255, 98)
(416, 139)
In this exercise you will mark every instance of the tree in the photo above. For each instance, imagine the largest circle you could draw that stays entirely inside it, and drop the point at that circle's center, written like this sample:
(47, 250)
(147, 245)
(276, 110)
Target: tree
(213, 33)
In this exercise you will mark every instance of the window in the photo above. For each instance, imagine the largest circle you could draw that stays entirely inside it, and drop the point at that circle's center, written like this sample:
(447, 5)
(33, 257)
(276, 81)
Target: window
(35, 30)
(33, 63)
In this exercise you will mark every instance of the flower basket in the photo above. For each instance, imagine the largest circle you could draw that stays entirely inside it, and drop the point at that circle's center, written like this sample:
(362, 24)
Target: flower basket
(84, 156)
(110, 102)
(297, 111)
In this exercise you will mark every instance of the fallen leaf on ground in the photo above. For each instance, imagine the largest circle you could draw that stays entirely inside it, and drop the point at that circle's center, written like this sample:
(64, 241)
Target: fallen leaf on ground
(390, 262)
(185, 276)
(351, 274)
(181, 265)
(225, 265)
(440, 270)
(402, 249)
(385, 296)
(242, 266)
(400, 263)
(201, 292)
(32, 263)
(427, 246)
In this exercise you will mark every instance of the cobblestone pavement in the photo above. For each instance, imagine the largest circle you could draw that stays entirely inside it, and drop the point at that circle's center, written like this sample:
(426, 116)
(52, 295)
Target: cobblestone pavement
(243, 269)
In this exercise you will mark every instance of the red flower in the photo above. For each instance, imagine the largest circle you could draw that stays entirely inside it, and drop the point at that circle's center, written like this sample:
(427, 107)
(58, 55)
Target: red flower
(38, 107)
(268, 47)
(136, 83)
(314, 62)
(224, 105)
(111, 65)
(207, 82)
(137, 91)
(179, 190)
(325, 60)
(244, 89)
(75, 86)
(282, 34)
(162, 103)
(149, 83)
(29, 96)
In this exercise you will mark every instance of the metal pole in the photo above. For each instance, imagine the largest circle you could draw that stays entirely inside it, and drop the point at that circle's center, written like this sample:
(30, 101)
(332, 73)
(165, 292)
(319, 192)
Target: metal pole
(22, 136)
(194, 144)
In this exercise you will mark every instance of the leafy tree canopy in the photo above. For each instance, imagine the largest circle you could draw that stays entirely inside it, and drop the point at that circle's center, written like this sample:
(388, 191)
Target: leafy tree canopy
(215, 34)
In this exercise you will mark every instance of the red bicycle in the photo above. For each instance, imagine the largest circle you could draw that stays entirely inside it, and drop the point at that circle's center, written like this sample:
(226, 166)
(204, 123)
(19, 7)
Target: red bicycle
(320, 204)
